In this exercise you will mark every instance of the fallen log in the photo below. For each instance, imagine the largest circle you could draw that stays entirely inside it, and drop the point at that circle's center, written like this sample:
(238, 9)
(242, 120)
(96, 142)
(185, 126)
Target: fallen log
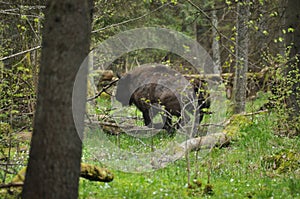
(95, 173)
(87, 171)
(205, 142)
(178, 151)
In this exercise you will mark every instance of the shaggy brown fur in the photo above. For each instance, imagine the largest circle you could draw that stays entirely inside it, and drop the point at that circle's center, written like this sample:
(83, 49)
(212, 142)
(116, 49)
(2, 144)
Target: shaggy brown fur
(156, 88)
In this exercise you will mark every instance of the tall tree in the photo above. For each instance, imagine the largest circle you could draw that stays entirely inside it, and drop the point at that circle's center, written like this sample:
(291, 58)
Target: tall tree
(242, 45)
(55, 154)
(293, 39)
(215, 43)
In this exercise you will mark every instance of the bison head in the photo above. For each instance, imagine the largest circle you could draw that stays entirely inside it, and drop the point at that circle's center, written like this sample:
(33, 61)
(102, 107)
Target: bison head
(123, 93)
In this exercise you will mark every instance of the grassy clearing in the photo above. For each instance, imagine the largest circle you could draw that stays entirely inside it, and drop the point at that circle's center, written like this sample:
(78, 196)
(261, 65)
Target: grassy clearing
(245, 169)
(257, 164)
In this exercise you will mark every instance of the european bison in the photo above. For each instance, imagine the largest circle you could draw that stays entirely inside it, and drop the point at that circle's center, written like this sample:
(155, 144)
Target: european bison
(157, 88)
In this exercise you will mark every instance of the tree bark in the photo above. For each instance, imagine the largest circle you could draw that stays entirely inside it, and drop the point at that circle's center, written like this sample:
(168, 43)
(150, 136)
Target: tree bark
(293, 38)
(55, 154)
(215, 43)
(242, 44)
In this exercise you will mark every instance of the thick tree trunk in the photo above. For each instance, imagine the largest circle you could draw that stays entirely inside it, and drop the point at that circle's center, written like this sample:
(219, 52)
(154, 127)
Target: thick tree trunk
(55, 154)
(242, 43)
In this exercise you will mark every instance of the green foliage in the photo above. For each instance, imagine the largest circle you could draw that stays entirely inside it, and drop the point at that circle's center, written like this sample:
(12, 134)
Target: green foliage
(284, 79)
(17, 95)
(243, 170)
(120, 16)
(5, 135)
(5, 129)
(20, 30)
(237, 125)
(283, 161)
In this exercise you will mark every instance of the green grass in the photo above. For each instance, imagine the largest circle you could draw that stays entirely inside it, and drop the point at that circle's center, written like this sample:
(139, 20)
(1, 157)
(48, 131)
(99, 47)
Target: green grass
(257, 164)
(237, 171)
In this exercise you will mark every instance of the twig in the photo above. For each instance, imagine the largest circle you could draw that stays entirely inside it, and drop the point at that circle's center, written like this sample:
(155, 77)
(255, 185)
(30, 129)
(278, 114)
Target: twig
(20, 53)
(103, 90)
(13, 184)
(217, 30)
(255, 113)
(106, 124)
(211, 124)
(17, 14)
(11, 164)
(130, 20)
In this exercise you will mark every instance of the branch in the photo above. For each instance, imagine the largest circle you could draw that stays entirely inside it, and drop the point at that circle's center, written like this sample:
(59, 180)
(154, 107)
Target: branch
(254, 113)
(208, 141)
(213, 26)
(13, 184)
(131, 20)
(119, 126)
(20, 53)
(103, 90)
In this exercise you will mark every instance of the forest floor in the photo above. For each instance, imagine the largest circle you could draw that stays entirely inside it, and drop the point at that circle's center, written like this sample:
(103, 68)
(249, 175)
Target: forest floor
(258, 163)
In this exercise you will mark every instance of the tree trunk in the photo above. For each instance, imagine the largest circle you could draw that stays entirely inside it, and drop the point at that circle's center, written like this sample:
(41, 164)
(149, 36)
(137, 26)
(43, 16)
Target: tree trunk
(55, 154)
(293, 39)
(242, 43)
(215, 43)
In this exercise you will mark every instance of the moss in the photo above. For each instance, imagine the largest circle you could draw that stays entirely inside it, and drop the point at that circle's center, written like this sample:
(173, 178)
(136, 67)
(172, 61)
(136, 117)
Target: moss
(95, 173)
(105, 96)
(88, 171)
(237, 123)
(14, 192)
(283, 161)
(20, 177)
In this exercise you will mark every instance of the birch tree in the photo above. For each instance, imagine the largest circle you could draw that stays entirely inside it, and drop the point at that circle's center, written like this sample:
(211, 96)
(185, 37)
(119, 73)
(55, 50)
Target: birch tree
(215, 43)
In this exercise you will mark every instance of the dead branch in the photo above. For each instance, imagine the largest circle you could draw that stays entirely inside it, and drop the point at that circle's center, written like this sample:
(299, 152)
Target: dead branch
(103, 90)
(227, 75)
(130, 20)
(20, 53)
(255, 113)
(10, 185)
(205, 142)
(115, 129)
(193, 144)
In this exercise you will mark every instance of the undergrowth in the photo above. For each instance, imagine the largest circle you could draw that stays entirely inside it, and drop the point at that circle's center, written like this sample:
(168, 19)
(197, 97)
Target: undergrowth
(241, 170)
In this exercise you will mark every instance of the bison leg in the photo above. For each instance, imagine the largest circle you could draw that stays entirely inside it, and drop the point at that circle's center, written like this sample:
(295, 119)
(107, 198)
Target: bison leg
(146, 116)
(152, 113)
(168, 123)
